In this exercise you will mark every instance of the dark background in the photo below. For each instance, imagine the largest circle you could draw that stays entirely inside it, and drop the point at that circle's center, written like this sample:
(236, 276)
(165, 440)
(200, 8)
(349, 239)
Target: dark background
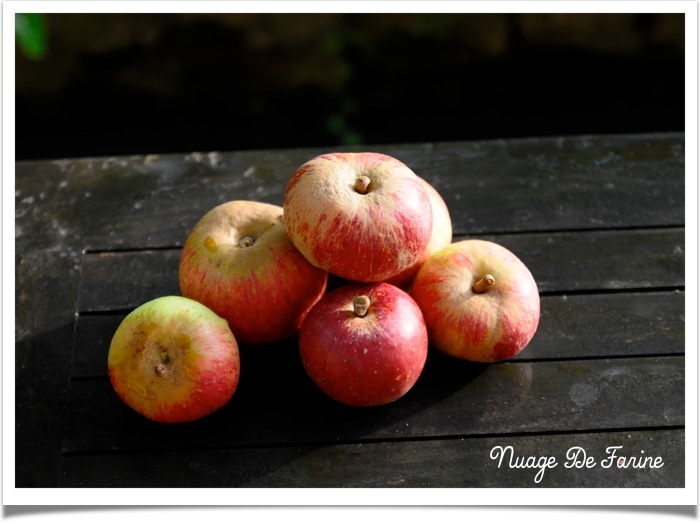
(120, 84)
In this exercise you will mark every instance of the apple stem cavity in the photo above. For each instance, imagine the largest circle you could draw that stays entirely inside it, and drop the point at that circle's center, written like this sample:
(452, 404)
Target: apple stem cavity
(360, 305)
(484, 284)
(362, 184)
(246, 242)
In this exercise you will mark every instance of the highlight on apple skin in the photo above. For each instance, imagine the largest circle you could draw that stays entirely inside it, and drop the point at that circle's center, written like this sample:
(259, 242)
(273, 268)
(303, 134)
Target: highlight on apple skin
(364, 217)
(239, 261)
(173, 360)
(364, 344)
(479, 300)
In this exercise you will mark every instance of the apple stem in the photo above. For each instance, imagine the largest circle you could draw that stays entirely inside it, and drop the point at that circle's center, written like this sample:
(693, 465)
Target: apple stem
(362, 184)
(360, 305)
(246, 242)
(484, 284)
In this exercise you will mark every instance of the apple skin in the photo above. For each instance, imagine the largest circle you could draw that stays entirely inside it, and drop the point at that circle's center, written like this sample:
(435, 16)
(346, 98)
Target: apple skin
(363, 237)
(441, 237)
(488, 326)
(364, 361)
(174, 360)
(263, 290)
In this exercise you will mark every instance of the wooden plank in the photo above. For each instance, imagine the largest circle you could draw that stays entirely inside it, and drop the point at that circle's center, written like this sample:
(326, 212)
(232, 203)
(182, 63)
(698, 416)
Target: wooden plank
(533, 187)
(463, 462)
(561, 262)
(607, 325)
(577, 183)
(601, 260)
(93, 335)
(536, 184)
(579, 326)
(46, 287)
(276, 403)
(125, 280)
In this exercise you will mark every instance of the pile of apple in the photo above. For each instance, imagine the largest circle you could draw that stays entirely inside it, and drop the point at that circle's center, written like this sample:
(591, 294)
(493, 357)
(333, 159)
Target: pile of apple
(256, 273)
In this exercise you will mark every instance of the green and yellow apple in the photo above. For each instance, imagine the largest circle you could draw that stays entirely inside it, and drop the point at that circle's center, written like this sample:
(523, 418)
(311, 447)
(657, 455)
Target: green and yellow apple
(173, 360)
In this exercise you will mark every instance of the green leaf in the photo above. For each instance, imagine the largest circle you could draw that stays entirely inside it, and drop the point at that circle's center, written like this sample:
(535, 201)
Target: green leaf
(30, 31)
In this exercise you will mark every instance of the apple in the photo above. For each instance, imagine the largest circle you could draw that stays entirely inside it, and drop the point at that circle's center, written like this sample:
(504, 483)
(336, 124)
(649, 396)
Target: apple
(361, 216)
(239, 262)
(441, 236)
(479, 300)
(364, 344)
(173, 360)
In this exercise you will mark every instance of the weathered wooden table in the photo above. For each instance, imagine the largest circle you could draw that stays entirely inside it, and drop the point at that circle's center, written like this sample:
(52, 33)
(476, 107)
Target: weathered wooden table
(599, 221)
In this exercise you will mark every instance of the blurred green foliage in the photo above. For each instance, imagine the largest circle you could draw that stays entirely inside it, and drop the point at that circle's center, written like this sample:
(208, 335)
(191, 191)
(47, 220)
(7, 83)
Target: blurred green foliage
(30, 32)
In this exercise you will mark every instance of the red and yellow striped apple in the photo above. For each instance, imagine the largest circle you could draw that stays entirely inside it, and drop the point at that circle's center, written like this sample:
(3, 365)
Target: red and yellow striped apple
(239, 262)
(361, 216)
(174, 360)
(441, 236)
(364, 344)
(480, 301)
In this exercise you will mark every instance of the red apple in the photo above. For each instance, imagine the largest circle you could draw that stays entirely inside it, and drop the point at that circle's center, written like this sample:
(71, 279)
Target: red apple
(364, 344)
(239, 262)
(173, 360)
(479, 300)
(361, 216)
(441, 236)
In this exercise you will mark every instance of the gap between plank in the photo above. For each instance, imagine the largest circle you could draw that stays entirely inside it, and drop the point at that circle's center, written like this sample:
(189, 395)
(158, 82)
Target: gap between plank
(543, 294)
(612, 291)
(562, 231)
(456, 234)
(534, 360)
(350, 442)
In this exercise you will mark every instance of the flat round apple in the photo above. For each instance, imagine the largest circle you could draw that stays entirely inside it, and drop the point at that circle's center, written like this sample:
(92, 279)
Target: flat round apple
(174, 360)
(361, 216)
(364, 344)
(239, 261)
(480, 302)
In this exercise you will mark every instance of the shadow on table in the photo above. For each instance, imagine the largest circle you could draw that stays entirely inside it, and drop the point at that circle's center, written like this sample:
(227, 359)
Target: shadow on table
(41, 363)
(271, 431)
